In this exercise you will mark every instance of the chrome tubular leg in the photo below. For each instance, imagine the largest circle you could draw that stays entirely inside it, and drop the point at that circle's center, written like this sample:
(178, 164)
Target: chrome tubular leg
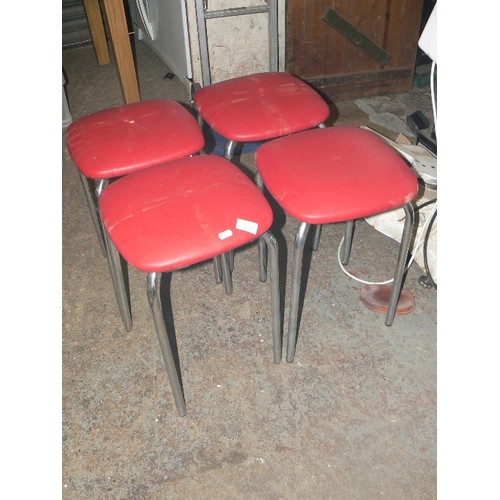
(298, 254)
(115, 269)
(91, 202)
(272, 245)
(217, 269)
(193, 88)
(226, 273)
(203, 40)
(400, 266)
(260, 242)
(229, 150)
(317, 235)
(262, 259)
(153, 289)
(228, 266)
(345, 251)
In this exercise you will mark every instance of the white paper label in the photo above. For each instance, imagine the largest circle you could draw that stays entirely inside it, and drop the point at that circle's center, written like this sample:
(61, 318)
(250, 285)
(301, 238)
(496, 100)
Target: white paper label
(247, 226)
(225, 234)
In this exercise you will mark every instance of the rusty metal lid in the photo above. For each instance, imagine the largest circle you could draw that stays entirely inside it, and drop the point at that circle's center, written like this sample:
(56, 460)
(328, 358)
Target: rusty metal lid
(376, 298)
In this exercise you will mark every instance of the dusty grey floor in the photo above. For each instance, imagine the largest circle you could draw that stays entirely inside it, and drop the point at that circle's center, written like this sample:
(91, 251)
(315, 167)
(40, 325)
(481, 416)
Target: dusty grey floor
(354, 417)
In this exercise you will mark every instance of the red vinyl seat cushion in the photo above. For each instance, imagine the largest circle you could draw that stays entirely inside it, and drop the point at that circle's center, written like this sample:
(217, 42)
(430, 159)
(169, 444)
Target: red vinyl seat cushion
(335, 174)
(183, 212)
(124, 139)
(260, 106)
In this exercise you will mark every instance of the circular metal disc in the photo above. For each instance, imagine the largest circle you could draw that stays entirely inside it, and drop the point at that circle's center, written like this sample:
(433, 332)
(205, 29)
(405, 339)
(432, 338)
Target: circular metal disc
(376, 298)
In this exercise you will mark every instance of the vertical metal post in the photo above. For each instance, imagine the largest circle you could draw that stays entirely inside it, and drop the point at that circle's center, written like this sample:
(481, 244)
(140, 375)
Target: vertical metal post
(203, 42)
(273, 35)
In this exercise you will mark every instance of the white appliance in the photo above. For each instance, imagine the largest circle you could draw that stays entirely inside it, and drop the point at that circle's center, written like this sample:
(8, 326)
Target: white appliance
(162, 25)
(428, 39)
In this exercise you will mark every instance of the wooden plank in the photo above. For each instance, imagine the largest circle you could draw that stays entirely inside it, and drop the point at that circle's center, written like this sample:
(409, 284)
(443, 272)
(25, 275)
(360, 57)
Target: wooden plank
(402, 31)
(336, 58)
(355, 35)
(315, 42)
(96, 27)
(412, 20)
(355, 60)
(356, 85)
(115, 14)
(295, 36)
(363, 15)
(335, 65)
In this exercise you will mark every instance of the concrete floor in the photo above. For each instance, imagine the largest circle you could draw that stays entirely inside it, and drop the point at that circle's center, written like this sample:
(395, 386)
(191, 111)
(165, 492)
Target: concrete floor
(354, 417)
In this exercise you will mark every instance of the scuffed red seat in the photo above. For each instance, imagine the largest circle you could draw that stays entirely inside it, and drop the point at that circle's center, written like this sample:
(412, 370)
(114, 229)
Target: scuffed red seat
(181, 213)
(336, 174)
(260, 106)
(124, 139)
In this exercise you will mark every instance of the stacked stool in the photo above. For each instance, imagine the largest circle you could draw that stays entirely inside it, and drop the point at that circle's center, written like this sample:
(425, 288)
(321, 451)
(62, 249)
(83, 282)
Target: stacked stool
(126, 139)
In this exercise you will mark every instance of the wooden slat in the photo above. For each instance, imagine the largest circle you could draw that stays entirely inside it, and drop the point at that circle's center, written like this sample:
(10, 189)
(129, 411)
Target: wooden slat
(355, 35)
(403, 29)
(96, 26)
(296, 35)
(115, 15)
(318, 53)
(315, 42)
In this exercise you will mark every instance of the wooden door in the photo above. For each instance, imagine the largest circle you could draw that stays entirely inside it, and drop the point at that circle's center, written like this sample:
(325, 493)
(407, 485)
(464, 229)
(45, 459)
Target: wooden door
(330, 61)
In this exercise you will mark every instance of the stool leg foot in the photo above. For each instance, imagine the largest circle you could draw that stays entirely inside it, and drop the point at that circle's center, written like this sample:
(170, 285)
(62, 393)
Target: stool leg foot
(400, 266)
(298, 254)
(91, 202)
(272, 246)
(153, 288)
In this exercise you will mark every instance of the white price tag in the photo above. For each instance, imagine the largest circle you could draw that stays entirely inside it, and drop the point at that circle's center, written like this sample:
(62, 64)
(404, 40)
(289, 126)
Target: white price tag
(225, 234)
(247, 226)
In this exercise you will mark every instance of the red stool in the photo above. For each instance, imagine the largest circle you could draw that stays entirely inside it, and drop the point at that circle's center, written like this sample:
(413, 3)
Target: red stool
(337, 174)
(217, 209)
(257, 108)
(125, 139)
